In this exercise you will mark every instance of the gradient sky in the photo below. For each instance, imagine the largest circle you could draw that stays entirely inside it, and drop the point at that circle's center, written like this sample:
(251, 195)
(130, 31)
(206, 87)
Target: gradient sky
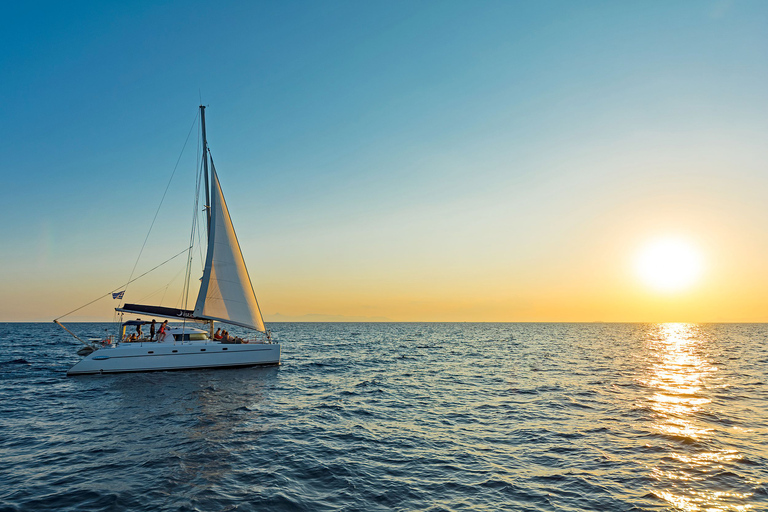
(415, 161)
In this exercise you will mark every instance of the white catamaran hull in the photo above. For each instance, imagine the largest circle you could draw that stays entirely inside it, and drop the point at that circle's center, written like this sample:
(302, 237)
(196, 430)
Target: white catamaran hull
(147, 357)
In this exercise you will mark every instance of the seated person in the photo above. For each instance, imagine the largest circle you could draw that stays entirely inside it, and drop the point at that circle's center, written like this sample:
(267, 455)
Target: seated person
(217, 336)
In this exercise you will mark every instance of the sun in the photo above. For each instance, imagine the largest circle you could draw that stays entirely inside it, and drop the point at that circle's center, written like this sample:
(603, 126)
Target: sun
(669, 264)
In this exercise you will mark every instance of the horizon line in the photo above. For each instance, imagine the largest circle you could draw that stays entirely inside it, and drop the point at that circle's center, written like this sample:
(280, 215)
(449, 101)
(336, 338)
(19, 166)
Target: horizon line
(426, 322)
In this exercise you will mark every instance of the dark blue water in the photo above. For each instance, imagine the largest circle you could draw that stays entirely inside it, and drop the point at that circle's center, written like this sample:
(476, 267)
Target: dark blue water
(428, 417)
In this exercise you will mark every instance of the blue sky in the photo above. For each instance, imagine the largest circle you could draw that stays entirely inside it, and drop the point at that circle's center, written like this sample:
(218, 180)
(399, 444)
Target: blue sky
(379, 157)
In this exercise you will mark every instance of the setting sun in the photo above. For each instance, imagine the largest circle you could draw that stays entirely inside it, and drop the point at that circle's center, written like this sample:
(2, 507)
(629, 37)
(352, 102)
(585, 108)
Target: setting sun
(669, 265)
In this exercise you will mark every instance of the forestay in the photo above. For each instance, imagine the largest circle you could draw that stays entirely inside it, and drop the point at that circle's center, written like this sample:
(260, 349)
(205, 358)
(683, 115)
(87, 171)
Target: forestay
(226, 293)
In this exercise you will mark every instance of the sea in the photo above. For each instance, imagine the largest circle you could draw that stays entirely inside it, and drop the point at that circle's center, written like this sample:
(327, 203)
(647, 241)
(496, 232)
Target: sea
(398, 416)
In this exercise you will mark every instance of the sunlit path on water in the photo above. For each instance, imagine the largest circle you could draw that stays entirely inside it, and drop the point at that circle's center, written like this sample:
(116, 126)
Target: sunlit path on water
(678, 373)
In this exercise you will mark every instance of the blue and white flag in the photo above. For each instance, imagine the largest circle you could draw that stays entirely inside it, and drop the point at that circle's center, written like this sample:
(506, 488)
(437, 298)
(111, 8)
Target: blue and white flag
(118, 295)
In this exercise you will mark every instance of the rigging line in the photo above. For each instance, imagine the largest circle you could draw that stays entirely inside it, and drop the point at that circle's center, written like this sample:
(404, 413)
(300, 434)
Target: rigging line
(165, 287)
(168, 286)
(124, 285)
(162, 199)
(200, 245)
(195, 206)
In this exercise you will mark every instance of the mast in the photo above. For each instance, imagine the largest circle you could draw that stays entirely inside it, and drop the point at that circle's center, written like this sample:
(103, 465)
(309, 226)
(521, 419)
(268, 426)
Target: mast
(205, 167)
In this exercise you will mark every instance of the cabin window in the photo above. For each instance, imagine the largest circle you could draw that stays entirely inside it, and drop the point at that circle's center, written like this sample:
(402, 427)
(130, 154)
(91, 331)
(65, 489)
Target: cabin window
(174, 351)
(151, 352)
(195, 336)
(202, 350)
(225, 348)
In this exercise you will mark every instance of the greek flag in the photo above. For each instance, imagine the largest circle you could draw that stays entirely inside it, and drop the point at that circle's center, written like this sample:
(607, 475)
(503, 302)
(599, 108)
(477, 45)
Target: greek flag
(118, 295)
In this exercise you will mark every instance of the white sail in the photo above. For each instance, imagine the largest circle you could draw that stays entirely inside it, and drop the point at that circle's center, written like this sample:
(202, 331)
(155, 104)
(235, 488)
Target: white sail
(226, 293)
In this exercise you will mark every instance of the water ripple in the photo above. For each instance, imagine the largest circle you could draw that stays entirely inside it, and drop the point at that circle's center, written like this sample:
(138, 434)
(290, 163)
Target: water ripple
(427, 417)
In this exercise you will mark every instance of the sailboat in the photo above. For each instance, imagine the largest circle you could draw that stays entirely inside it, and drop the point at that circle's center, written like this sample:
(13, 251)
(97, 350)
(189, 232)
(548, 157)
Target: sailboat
(226, 295)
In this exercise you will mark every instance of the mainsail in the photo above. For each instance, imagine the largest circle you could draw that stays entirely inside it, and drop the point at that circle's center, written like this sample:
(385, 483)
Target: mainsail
(226, 293)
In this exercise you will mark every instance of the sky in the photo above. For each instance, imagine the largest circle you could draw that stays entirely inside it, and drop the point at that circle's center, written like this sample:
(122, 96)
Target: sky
(403, 161)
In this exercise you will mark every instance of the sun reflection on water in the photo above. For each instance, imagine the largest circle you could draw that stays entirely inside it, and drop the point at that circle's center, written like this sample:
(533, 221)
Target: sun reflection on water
(678, 376)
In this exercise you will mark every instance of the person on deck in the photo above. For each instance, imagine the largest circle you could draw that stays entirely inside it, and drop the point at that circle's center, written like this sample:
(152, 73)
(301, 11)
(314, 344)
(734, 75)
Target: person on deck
(139, 334)
(152, 330)
(163, 331)
(217, 335)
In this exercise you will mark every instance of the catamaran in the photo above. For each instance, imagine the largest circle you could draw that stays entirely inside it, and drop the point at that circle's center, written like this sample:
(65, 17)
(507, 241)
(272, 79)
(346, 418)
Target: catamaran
(226, 295)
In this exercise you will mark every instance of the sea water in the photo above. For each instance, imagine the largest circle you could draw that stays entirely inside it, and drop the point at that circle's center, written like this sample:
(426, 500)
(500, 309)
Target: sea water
(398, 416)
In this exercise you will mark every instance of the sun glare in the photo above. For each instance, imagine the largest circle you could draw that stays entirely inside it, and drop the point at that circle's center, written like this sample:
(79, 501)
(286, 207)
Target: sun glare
(669, 265)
